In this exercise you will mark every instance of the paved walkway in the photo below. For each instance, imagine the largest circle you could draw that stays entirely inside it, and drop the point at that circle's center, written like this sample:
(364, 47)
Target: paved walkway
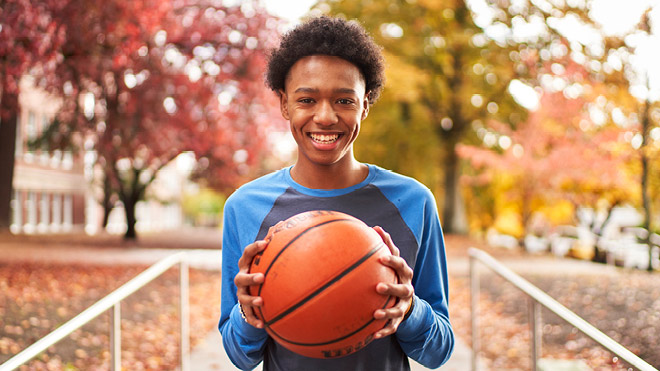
(209, 355)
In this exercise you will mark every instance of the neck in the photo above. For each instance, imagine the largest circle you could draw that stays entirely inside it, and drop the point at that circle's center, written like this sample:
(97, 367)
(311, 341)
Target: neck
(334, 176)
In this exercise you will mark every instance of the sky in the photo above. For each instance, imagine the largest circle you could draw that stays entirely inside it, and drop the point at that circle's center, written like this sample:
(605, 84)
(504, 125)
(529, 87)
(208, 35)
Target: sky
(291, 10)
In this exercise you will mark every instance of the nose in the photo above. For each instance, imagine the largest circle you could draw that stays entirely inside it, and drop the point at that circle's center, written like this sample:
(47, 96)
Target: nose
(325, 114)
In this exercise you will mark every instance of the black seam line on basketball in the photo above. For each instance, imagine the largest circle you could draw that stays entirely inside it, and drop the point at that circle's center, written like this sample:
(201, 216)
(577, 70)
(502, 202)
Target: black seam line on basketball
(339, 338)
(326, 285)
(261, 313)
(294, 240)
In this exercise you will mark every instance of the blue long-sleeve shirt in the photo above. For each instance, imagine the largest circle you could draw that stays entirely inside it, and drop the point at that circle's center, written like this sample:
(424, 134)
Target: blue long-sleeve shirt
(404, 208)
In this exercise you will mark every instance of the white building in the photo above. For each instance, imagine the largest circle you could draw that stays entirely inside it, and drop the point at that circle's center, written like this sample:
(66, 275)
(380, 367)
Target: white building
(54, 191)
(49, 188)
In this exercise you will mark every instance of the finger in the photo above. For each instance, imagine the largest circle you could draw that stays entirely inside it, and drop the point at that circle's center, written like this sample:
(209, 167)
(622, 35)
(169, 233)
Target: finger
(388, 330)
(249, 305)
(402, 269)
(387, 239)
(251, 318)
(250, 251)
(402, 291)
(248, 300)
(393, 313)
(243, 280)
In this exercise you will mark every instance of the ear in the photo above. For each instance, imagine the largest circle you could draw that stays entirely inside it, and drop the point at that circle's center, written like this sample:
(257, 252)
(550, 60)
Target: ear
(284, 104)
(365, 104)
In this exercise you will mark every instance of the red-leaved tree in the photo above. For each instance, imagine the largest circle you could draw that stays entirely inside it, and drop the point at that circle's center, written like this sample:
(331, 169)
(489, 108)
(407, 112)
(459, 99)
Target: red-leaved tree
(557, 154)
(165, 77)
(28, 36)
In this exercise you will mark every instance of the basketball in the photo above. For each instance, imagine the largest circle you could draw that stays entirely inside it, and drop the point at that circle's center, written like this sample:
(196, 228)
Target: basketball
(319, 291)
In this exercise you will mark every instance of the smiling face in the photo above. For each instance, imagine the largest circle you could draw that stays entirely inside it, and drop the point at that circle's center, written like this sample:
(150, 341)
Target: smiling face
(324, 100)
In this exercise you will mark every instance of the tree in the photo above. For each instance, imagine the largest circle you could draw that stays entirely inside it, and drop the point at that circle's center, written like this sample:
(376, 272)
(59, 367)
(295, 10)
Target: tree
(28, 36)
(151, 79)
(396, 135)
(643, 31)
(466, 77)
(558, 154)
(618, 59)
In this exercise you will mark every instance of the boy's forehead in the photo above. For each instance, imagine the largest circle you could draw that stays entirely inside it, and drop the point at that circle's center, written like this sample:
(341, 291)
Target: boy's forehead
(316, 65)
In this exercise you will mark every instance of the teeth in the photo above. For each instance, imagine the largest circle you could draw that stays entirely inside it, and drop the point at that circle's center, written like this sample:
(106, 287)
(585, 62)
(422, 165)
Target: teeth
(324, 138)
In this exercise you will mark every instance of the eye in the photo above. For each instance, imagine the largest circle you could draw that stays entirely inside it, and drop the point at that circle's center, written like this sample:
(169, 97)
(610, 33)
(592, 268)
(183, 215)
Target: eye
(305, 100)
(345, 101)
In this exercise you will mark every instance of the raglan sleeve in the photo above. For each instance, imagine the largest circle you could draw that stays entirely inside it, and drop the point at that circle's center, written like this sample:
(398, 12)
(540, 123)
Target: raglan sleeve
(243, 343)
(427, 335)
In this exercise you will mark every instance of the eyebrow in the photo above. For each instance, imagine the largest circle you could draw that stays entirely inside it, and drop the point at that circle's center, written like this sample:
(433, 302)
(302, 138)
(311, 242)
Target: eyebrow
(313, 90)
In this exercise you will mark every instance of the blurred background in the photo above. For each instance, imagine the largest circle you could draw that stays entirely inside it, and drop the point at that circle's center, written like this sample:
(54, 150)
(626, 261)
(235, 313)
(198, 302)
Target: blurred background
(536, 123)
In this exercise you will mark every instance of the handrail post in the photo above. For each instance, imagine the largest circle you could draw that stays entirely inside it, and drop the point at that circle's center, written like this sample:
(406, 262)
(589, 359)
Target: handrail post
(184, 310)
(535, 331)
(474, 312)
(115, 337)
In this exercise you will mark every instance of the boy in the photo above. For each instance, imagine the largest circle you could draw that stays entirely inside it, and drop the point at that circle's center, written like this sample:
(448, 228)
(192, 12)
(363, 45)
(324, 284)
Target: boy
(327, 72)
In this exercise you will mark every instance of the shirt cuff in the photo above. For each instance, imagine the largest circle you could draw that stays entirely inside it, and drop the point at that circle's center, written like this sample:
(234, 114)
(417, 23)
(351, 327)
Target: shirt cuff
(415, 322)
(246, 330)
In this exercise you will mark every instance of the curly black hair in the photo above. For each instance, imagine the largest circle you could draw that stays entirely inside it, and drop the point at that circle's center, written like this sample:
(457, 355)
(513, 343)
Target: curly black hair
(329, 36)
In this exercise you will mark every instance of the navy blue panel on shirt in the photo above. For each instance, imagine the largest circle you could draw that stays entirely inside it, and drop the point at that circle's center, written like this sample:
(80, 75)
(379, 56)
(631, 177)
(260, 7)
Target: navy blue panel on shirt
(367, 204)
(372, 207)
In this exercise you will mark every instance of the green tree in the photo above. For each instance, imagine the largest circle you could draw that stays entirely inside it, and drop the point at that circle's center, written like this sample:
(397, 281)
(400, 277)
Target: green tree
(463, 79)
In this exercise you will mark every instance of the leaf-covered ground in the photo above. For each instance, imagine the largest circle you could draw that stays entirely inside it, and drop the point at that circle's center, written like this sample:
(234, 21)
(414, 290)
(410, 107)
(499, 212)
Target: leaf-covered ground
(37, 298)
(623, 304)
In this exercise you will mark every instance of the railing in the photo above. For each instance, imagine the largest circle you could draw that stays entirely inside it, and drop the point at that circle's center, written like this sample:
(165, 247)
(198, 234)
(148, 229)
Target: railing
(113, 300)
(538, 299)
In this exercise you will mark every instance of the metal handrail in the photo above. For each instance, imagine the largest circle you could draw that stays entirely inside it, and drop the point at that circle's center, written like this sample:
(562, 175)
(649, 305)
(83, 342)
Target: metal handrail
(539, 298)
(113, 300)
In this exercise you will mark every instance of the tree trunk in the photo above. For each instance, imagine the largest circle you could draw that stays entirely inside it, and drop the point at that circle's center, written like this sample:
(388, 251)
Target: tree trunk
(129, 208)
(600, 255)
(130, 198)
(525, 213)
(453, 212)
(107, 201)
(8, 108)
(646, 199)
(107, 208)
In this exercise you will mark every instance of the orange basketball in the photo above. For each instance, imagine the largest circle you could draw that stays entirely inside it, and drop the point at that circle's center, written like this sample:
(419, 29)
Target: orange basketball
(319, 293)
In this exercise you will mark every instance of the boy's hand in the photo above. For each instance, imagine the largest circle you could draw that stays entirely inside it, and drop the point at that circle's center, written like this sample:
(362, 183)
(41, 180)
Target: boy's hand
(403, 290)
(243, 280)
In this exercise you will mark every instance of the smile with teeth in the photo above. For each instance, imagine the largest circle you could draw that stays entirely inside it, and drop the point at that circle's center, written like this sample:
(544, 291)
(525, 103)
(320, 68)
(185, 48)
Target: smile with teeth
(324, 138)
